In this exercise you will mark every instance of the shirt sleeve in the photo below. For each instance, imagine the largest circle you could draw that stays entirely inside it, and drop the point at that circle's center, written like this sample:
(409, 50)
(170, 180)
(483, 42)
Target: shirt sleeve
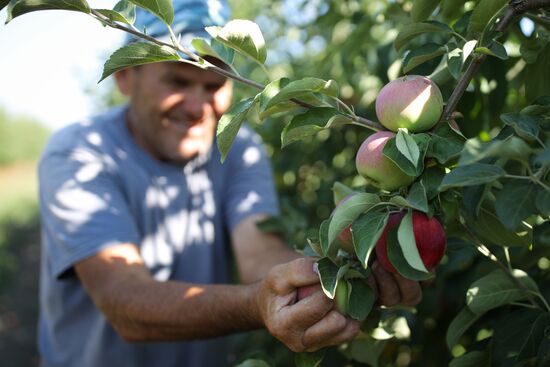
(250, 187)
(83, 209)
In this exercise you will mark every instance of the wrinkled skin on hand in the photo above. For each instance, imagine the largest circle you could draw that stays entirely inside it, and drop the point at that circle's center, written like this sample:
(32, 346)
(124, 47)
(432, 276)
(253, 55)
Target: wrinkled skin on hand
(307, 325)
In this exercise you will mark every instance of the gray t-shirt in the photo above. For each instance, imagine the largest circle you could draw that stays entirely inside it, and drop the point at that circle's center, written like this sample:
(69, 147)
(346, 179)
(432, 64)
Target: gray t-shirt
(99, 189)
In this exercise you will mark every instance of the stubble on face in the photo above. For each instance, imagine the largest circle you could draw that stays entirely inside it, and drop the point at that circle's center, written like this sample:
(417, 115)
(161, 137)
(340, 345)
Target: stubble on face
(175, 108)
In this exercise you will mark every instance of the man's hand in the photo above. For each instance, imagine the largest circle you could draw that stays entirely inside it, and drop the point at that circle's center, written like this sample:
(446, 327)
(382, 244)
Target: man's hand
(393, 289)
(307, 325)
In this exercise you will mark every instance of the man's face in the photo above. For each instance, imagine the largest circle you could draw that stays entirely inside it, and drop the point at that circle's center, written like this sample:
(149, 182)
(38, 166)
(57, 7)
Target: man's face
(174, 108)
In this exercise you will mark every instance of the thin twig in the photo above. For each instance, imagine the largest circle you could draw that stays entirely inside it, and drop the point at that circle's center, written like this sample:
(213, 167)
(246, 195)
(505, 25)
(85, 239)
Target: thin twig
(205, 64)
(514, 9)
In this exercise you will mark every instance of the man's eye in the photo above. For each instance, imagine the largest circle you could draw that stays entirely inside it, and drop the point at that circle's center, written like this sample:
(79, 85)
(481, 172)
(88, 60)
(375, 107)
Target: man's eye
(179, 83)
(213, 87)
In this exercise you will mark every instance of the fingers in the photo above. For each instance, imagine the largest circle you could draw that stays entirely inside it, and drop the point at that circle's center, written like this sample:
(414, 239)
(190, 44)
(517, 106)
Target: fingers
(333, 329)
(394, 289)
(285, 278)
(388, 290)
(411, 292)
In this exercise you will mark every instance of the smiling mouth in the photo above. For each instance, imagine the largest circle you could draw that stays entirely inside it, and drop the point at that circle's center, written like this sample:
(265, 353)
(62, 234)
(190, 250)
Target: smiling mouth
(186, 127)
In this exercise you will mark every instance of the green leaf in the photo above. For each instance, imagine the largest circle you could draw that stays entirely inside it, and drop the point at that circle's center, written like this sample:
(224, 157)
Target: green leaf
(543, 159)
(483, 12)
(296, 89)
(3, 3)
(405, 236)
(230, 123)
(347, 212)
(137, 53)
(422, 9)
(496, 50)
(311, 122)
(366, 350)
(361, 299)
(431, 179)
(309, 359)
(497, 289)
(543, 202)
(488, 226)
(413, 30)
(445, 143)
(326, 247)
(461, 322)
(127, 10)
(20, 7)
(526, 126)
(541, 234)
(214, 49)
(340, 191)
(407, 146)
(253, 363)
(417, 197)
(454, 62)
(535, 336)
(515, 202)
(420, 55)
(392, 152)
(244, 36)
(330, 274)
(476, 358)
(536, 86)
(116, 16)
(511, 148)
(161, 8)
(366, 231)
(473, 174)
(396, 257)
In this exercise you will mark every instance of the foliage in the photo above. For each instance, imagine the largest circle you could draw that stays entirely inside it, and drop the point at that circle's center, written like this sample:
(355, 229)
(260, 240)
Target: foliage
(21, 138)
(486, 180)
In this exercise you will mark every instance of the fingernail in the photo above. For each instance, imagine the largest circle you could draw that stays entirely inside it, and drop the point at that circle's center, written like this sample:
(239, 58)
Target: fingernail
(315, 268)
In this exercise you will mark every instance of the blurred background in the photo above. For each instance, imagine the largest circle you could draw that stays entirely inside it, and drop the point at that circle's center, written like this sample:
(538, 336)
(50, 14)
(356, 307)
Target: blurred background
(49, 67)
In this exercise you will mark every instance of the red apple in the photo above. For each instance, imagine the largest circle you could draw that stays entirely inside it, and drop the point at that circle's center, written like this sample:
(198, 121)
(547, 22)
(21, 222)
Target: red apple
(428, 234)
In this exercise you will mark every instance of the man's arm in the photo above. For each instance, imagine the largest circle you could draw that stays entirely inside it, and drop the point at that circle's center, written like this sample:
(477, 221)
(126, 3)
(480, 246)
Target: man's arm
(143, 309)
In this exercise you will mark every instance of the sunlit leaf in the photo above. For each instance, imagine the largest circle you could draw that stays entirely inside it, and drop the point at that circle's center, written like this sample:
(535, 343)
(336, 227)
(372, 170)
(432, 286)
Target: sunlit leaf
(405, 236)
(137, 53)
(470, 175)
(347, 212)
(230, 123)
(366, 231)
(161, 8)
(420, 55)
(412, 30)
(396, 257)
(20, 7)
(461, 322)
(498, 289)
(515, 202)
(311, 122)
(244, 36)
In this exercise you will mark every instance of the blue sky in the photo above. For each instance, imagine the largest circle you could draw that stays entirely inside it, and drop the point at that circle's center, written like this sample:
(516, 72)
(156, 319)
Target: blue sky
(49, 59)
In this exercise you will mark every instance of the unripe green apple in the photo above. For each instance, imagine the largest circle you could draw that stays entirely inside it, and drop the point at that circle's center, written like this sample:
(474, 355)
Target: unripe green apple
(378, 169)
(340, 296)
(413, 102)
(428, 235)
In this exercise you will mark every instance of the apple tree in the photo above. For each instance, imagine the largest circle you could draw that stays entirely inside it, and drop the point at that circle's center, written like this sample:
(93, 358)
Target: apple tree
(414, 132)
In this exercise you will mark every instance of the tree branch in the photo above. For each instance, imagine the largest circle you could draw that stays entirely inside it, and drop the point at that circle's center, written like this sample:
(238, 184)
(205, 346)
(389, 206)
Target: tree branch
(205, 64)
(514, 9)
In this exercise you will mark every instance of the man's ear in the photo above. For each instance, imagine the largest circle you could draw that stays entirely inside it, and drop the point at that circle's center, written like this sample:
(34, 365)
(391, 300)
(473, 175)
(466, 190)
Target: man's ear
(123, 80)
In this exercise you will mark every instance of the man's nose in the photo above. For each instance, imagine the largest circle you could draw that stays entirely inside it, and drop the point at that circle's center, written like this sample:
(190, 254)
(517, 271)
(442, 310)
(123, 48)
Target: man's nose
(195, 102)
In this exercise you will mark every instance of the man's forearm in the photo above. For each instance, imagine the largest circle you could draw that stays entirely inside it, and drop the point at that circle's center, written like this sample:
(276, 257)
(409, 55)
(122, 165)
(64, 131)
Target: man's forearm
(153, 311)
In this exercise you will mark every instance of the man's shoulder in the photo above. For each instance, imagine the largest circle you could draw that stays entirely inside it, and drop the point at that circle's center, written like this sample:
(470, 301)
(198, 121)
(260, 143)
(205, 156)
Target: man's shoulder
(91, 133)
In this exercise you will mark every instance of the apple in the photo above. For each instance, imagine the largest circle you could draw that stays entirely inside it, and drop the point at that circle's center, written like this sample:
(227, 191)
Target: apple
(413, 102)
(428, 234)
(340, 296)
(378, 169)
(345, 238)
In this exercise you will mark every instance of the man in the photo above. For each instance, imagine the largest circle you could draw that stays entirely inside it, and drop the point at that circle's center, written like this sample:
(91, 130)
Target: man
(138, 214)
